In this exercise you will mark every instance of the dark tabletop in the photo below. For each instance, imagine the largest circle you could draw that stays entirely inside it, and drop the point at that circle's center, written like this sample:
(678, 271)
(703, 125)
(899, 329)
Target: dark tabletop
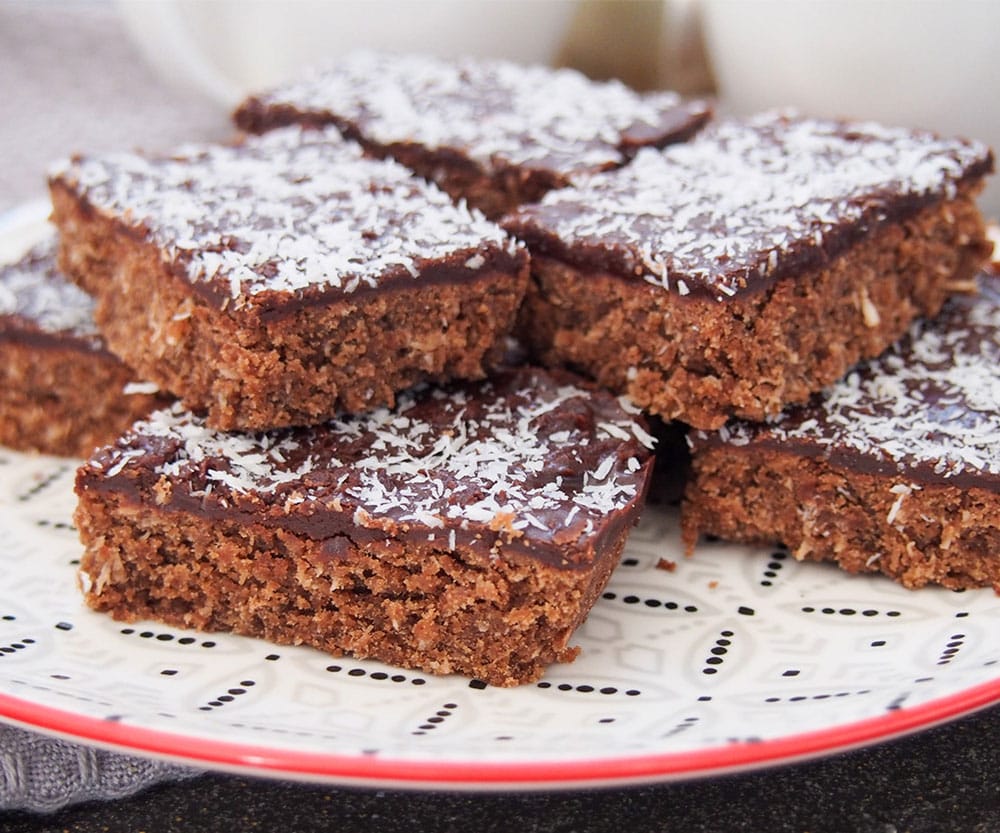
(60, 63)
(943, 780)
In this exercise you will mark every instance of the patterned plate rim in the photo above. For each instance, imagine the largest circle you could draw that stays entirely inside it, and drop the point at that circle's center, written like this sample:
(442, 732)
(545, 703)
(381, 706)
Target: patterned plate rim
(478, 775)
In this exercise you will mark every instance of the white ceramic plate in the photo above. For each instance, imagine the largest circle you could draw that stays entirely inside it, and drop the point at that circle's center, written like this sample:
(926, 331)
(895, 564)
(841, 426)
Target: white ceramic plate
(739, 657)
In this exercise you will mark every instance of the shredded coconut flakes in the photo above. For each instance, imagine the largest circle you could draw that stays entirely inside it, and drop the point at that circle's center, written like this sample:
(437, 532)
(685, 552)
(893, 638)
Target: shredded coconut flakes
(742, 199)
(488, 459)
(287, 211)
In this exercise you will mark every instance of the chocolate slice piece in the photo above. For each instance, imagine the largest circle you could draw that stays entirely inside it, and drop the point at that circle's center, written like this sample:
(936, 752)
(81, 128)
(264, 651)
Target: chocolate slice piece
(61, 391)
(287, 278)
(895, 469)
(469, 529)
(493, 133)
(748, 268)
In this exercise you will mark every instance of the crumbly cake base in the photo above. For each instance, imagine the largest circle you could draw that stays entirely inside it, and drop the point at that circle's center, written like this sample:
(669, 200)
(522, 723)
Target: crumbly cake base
(702, 361)
(64, 401)
(252, 372)
(499, 619)
(866, 523)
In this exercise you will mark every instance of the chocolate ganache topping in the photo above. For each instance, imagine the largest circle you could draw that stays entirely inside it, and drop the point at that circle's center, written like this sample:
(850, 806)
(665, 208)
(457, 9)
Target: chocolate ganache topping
(744, 203)
(927, 410)
(293, 212)
(534, 462)
(496, 113)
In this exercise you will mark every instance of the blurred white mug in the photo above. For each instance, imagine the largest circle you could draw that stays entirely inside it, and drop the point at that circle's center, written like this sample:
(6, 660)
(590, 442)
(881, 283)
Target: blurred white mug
(227, 48)
(919, 63)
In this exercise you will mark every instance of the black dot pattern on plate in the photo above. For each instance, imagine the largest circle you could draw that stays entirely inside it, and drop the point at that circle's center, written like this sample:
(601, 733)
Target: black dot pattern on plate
(801, 698)
(773, 568)
(867, 612)
(230, 696)
(632, 599)
(629, 562)
(380, 676)
(685, 724)
(16, 647)
(435, 720)
(284, 731)
(166, 636)
(8, 617)
(587, 688)
(70, 695)
(63, 626)
(62, 526)
(42, 484)
(897, 702)
(951, 649)
(718, 653)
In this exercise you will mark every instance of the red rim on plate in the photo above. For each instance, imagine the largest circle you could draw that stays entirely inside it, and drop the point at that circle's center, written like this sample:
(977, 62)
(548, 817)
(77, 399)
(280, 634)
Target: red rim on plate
(453, 774)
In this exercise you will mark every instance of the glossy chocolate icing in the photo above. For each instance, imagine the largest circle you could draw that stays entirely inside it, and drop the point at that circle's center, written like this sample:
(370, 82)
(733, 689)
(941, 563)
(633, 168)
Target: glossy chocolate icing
(532, 462)
(746, 203)
(493, 114)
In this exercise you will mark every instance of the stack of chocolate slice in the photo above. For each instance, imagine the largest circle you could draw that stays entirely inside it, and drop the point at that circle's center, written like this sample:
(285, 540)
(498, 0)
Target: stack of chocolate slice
(356, 462)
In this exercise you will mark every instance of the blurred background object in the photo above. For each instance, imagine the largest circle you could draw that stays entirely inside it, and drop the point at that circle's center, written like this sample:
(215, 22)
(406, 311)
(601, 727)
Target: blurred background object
(648, 44)
(228, 48)
(72, 80)
(933, 64)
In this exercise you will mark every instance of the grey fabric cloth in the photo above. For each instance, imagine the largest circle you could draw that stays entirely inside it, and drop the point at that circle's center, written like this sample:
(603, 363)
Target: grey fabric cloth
(71, 81)
(44, 774)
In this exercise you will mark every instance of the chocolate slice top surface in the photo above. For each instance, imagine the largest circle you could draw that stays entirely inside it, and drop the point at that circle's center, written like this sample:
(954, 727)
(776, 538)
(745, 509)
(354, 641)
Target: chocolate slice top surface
(746, 202)
(541, 458)
(35, 296)
(494, 112)
(928, 409)
(288, 214)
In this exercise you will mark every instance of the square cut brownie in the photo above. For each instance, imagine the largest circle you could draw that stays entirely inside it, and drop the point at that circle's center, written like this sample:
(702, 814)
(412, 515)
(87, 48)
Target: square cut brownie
(469, 529)
(286, 278)
(61, 391)
(494, 133)
(741, 271)
(895, 469)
